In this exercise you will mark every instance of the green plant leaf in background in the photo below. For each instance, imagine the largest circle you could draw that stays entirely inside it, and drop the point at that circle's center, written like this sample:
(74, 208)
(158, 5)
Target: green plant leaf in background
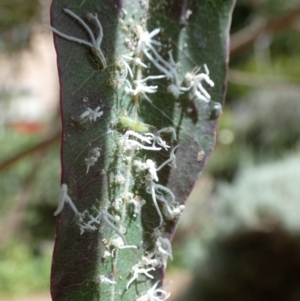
(139, 113)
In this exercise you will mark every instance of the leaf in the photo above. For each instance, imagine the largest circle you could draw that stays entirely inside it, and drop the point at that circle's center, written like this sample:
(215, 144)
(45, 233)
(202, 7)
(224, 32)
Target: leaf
(197, 33)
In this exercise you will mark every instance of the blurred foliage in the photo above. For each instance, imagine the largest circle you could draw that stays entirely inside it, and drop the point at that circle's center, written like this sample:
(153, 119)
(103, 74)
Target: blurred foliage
(21, 271)
(286, 44)
(242, 15)
(16, 20)
(273, 8)
(28, 200)
(266, 125)
(12, 141)
(251, 247)
(42, 169)
(254, 265)
(247, 11)
(269, 138)
(263, 197)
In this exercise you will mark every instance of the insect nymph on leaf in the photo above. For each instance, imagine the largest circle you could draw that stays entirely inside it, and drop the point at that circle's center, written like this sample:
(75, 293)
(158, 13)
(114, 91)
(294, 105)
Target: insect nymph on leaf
(95, 42)
(137, 126)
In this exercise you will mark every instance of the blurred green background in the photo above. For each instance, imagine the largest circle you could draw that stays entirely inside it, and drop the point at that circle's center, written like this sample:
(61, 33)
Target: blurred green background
(254, 170)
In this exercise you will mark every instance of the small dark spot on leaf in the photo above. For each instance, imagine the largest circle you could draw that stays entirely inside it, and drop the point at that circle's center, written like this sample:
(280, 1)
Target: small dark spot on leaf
(199, 38)
(215, 110)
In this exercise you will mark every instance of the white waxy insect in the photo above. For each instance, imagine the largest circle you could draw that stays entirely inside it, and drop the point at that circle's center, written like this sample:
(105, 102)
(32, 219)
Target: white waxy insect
(91, 115)
(154, 294)
(92, 159)
(119, 179)
(141, 88)
(194, 81)
(95, 42)
(105, 280)
(139, 269)
(118, 204)
(119, 243)
(137, 202)
(64, 198)
(163, 249)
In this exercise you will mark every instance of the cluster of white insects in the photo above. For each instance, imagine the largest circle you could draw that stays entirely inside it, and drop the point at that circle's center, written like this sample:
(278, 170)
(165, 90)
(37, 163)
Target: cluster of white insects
(134, 139)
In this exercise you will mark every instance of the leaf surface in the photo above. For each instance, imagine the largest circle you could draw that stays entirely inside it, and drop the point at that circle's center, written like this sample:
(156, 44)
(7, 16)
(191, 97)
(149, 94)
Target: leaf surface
(197, 33)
